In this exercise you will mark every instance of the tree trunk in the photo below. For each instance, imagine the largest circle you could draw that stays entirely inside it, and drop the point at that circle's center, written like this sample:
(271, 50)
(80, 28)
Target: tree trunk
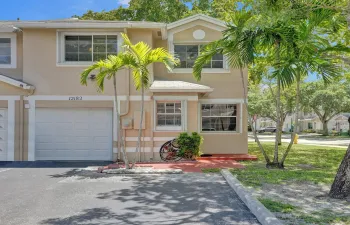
(250, 119)
(341, 186)
(121, 146)
(278, 98)
(325, 128)
(280, 132)
(141, 121)
(296, 124)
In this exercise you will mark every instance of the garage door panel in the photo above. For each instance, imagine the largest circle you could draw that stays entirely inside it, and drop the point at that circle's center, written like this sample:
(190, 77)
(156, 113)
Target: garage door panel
(63, 139)
(44, 146)
(75, 134)
(45, 128)
(44, 139)
(82, 126)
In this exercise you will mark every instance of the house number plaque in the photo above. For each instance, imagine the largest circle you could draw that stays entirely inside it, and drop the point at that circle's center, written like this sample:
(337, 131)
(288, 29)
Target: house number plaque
(76, 98)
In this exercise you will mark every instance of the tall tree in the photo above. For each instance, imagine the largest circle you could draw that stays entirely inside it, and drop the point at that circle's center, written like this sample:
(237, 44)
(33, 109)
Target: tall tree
(262, 99)
(326, 101)
(143, 10)
(108, 69)
(139, 57)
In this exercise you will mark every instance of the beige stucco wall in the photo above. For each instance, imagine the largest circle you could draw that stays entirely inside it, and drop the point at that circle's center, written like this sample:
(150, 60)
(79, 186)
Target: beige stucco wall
(16, 73)
(187, 35)
(40, 70)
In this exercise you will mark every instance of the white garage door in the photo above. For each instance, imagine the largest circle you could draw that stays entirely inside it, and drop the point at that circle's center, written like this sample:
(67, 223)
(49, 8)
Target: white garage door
(73, 134)
(3, 134)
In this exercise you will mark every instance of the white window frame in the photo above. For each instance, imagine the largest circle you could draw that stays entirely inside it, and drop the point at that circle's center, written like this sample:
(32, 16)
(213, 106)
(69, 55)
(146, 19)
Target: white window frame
(183, 126)
(61, 46)
(13, 38)
(199, 52)
(239, 119)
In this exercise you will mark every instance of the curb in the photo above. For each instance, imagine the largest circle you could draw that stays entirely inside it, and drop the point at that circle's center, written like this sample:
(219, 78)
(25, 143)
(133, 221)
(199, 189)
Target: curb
(264, 216)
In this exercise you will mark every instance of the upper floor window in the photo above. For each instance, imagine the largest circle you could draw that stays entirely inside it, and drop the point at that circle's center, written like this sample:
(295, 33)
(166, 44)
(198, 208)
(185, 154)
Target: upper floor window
(89, 48)
(189, 53)
(7, 50)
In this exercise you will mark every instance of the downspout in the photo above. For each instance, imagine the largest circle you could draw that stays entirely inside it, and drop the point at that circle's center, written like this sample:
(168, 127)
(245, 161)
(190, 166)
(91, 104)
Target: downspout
(127, 72)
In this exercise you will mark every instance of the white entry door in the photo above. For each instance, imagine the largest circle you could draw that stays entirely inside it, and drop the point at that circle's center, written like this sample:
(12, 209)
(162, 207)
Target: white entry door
(73, 134)
(3, 134)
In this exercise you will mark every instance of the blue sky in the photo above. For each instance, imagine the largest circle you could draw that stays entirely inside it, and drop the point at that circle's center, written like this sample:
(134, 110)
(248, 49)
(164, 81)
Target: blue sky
(53, 9)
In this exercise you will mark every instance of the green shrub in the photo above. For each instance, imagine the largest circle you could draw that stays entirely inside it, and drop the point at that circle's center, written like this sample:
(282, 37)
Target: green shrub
(189, 144)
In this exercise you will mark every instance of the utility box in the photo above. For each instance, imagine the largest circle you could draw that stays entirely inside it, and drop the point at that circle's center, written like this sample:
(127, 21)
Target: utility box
(127, 123)
(137, 118)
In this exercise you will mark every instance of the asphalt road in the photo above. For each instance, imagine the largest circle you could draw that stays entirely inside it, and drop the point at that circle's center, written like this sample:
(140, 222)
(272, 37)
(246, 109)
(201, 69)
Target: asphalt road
(69, 196)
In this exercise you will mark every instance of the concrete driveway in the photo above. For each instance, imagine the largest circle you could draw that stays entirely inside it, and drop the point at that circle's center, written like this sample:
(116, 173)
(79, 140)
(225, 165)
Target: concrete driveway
(70, 196)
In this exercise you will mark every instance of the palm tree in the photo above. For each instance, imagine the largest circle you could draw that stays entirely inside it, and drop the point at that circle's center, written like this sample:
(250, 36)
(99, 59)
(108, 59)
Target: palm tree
(107, 69)
(283, 43)
(139, 57)
(241, 43)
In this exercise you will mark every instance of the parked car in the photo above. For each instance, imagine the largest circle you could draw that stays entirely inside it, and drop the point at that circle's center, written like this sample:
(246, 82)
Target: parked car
(267, 129)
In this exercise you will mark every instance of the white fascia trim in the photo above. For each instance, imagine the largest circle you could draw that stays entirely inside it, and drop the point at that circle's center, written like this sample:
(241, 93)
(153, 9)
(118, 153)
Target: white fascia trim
(85, 97)
(80, 25)
(175, 98)
(13, 38)
(194, 18)
(181, 90)
(15, 83)
(221, 101)
(11, 130)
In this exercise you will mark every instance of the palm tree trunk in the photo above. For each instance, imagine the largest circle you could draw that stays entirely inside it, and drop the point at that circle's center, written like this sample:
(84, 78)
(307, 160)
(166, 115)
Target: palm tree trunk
(341, 186)
(250, 119)
(121, 146)
(141, 122)
(278, 105)
(296, 124)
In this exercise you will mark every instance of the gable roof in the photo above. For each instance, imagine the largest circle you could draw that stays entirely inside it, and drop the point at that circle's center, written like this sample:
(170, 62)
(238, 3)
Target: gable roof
(194, 18)
(16, 83)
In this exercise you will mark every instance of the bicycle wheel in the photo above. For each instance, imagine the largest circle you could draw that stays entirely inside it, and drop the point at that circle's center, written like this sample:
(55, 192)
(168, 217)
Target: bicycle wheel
(168, 152)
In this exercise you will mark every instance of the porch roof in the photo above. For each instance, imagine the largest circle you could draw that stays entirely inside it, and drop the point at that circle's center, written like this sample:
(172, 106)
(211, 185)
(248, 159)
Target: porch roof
(178, 86)
(16, 83)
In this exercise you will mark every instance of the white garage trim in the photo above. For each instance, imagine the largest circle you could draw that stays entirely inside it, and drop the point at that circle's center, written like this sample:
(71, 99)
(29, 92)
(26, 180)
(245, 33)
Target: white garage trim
(33, 98)
(11, 130)
(85, 98)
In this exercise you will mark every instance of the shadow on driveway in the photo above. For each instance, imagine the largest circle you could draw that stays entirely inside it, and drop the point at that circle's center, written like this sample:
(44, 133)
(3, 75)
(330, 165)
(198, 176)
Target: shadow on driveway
(167, 199)
(52, 164)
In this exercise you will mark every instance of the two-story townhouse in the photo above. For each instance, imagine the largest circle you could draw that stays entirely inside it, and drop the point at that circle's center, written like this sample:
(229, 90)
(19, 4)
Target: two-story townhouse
(46, 114)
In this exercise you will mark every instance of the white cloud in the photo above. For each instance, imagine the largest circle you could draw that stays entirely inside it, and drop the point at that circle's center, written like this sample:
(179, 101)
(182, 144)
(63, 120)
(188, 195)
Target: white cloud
(123, 2)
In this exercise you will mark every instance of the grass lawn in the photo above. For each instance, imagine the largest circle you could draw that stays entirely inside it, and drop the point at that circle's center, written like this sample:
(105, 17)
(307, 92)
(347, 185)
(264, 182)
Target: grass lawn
(306, 165)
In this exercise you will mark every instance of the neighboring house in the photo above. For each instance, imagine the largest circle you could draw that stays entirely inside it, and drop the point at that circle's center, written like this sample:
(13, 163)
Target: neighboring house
(310, 121)
(46, 114)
